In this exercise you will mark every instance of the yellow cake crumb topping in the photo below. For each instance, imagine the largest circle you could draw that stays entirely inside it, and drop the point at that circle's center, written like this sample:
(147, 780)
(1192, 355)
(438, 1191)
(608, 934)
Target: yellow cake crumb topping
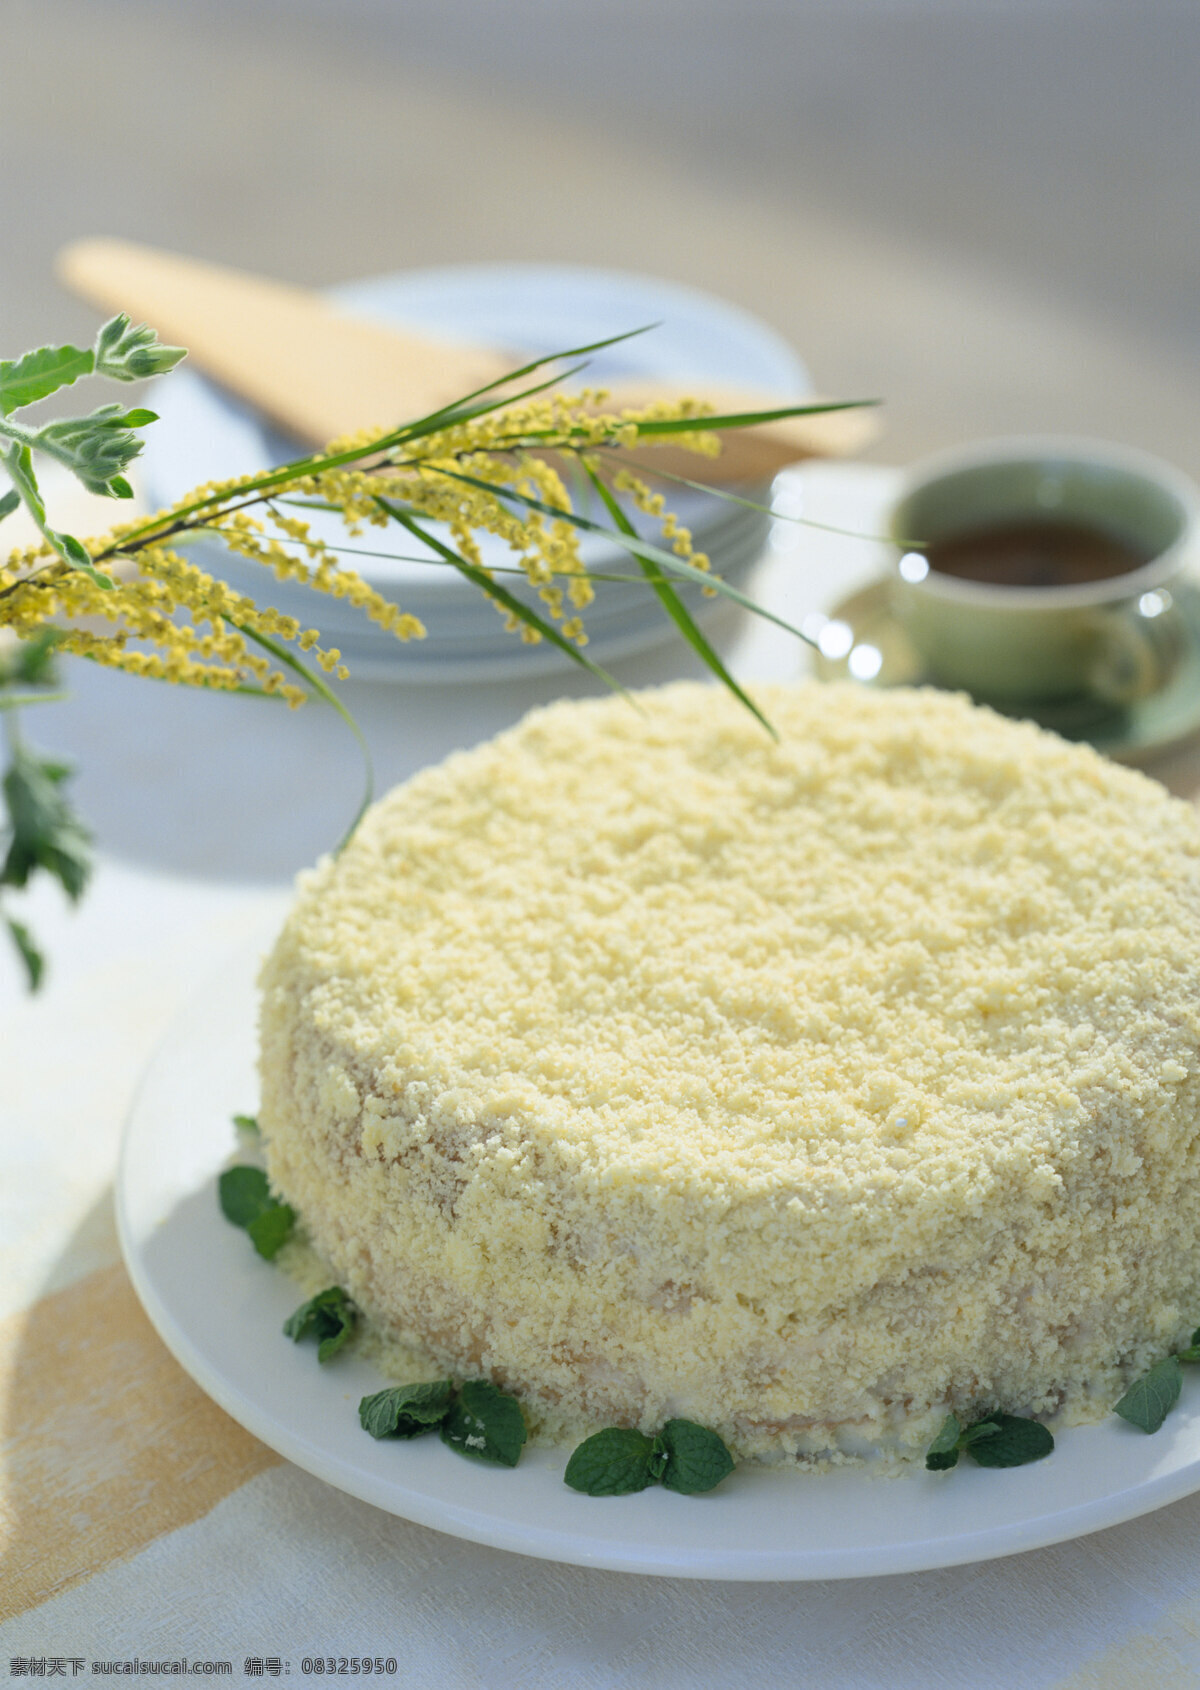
(804, 1088)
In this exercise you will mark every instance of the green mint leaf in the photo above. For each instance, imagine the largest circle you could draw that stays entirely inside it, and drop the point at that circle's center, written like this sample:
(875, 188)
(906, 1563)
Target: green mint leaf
(979, 1429)
(133, 354)
(405, 1411)
(96, 448)
(942, 1461)
(330, 1317)
(246, 1123)
(485, 1423)
(615, 1462)
(942, 1453)
(697, 1459)
(1151, 1398)
(246, 1201)
(270, 1231)
(31, 956)
(1192, 1352)
(243, 1193)
(23, 381)
(1013, 1443)
(45, 832)
(9, 503)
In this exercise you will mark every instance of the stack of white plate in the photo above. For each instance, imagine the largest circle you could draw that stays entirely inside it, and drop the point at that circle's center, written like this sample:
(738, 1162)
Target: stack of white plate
(536, 310)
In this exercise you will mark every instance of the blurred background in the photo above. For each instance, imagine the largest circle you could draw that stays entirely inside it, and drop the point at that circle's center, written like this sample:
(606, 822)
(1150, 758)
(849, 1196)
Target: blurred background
(984, 214)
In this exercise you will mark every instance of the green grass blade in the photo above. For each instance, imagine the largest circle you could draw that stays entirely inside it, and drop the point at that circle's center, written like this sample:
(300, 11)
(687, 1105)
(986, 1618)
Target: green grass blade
(435, 562)
(269, 480)
(18, 700)
(259, 487)
(530, 369)
(325, 692)
(463, 411)
(639, 549)
(674, 605)
(502, 596)
(721, 420)
(656, 474)
(746, 419)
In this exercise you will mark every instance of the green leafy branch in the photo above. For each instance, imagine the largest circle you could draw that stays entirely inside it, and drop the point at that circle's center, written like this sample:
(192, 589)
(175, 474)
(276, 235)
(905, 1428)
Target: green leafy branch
(40, 830)
(75, 583)
(96, 448)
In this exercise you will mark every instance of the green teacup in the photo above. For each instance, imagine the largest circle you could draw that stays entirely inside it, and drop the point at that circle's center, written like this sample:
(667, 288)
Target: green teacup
(1031, 570)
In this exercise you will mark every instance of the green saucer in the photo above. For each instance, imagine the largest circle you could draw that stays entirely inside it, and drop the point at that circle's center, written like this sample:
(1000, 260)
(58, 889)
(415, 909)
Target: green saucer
(1126, 732)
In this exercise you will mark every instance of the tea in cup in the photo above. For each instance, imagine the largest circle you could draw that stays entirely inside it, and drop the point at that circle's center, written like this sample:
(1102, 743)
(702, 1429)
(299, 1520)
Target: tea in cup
(1038, 570)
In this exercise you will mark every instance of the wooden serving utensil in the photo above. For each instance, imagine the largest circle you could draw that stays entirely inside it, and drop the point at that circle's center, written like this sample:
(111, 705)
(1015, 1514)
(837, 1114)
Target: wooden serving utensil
(316, 372)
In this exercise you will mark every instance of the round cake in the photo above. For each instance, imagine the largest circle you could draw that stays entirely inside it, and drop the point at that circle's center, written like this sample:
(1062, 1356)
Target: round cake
(805, 1087)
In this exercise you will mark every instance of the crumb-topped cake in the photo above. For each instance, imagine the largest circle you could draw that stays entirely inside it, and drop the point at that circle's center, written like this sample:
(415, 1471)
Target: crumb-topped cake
(805, 1088)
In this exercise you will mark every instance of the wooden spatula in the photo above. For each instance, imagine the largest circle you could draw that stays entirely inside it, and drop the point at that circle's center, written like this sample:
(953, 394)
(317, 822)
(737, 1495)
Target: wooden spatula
(316, 372)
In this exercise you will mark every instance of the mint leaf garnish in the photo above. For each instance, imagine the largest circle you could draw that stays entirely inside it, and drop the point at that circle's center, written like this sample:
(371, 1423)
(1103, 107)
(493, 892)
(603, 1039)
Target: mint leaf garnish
(620, 1460)
(246, 1200)
(246, 1123)
(942, 1453)
(1151, 1398)
(979, 1429)
(270, 1231)
(697, 1459)
(329, 1317)
(405, 1411)
(996, 1440)
(243, 1193)
(1012, 1442)
(615, 1462)
(1192, 1352)
(479, 1420)
(485, 1423)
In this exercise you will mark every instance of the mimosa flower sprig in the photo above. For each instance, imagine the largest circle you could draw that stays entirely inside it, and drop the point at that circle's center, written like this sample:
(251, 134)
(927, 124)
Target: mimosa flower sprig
(494, 461)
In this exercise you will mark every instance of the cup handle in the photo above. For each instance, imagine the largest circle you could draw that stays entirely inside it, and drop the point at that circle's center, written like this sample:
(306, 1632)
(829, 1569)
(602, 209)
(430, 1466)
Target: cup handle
(1133, 655)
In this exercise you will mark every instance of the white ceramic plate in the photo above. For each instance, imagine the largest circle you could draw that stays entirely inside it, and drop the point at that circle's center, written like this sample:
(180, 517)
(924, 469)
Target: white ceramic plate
(219, 1308)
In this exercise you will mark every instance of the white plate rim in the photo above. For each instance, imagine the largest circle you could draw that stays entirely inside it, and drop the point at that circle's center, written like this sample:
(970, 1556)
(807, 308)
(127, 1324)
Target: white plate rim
(762, 1525)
